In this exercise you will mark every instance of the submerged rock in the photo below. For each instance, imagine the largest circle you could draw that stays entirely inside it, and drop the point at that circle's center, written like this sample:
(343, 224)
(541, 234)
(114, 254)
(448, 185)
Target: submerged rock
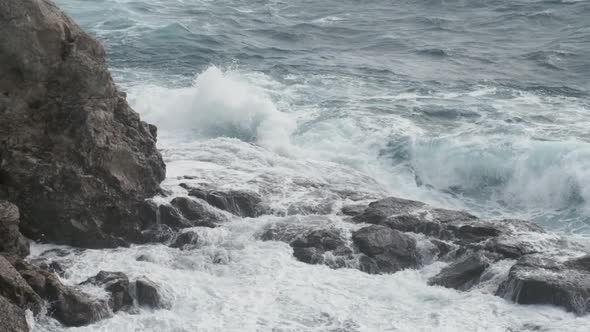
(388, 250)
(12, 242)
(536, 279)
(242, 203)
(148, 294)
(158, 233)
(74, 157)
(67, 304)
(312, 245)
(117, 284)
(462, 274)
(186, 241)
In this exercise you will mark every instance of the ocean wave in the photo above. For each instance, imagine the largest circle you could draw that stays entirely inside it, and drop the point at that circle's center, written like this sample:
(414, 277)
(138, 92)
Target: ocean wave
(218, 104)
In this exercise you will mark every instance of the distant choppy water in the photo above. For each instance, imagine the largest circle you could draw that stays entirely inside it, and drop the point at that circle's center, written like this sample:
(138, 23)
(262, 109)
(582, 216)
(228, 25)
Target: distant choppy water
(483, 105)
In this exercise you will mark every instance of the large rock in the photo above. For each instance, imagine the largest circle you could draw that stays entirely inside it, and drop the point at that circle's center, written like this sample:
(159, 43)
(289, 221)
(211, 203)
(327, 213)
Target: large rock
(74, 157)
(313, 246)
(12, 318)
(462, 274)
(16, 289)
(12, 242)
(148, 294)
(239, 202)
(68, 305)
(389, 250)
(117, 284)
(536, 279)
(458, 227)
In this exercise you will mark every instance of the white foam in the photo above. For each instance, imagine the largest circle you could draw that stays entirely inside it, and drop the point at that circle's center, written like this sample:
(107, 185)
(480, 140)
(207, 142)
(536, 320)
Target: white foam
(218, 104)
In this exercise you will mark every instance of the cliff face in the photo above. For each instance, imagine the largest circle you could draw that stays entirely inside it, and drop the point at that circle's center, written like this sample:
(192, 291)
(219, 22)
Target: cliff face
(74, 157)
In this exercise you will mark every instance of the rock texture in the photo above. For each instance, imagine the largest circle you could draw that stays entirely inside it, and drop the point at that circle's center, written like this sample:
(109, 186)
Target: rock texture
(12, 318)
(68, 305)
(238, 202)
(148, 294)
(387, 250)
(117, 285)
(11, 240)
(540, 280)
(74, 157)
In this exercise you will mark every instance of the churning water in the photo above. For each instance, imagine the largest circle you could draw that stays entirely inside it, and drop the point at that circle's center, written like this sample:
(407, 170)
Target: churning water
(479, 105)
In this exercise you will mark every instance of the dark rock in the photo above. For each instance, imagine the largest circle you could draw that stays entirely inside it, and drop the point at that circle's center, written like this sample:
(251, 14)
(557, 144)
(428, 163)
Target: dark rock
(379, 211)
(11, 240)
(196, 213)
(68, 305)
(53, 267)
(12, 318)
(186, 241)
(353, 210)
(463, 274)
(72, 307)
(311, 245)
(442, 249)
(74, 157)
(239, 202)
(390, 249)
(535, 279)
(117, 284)
(148, 294)
(16, 289)
(158, 233)
(170, 216)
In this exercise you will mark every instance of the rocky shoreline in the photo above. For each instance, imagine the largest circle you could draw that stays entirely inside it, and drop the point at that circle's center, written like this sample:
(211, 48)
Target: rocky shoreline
(78, 167)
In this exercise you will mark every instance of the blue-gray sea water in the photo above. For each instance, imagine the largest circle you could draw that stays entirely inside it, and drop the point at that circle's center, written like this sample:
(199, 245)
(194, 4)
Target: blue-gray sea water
(470, 104)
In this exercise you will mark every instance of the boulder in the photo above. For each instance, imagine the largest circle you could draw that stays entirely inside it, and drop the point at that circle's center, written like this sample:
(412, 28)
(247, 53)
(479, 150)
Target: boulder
(148, 294)
(12, 318)
(14, 288)
(158, 233)
(186, 241)
(389, 250)
(241, 203)
(74, 157)
(117, 284)
(462, 274)
(312, 246)
(196, 213)
(535, 279)
(353, 210)
(67, 304)
(12, 242)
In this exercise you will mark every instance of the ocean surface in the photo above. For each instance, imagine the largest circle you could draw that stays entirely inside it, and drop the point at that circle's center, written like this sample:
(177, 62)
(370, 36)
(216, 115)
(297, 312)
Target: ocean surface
(472, 104)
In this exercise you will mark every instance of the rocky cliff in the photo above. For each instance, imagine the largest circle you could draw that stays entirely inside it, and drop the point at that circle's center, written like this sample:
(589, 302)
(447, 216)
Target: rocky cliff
(74, 157)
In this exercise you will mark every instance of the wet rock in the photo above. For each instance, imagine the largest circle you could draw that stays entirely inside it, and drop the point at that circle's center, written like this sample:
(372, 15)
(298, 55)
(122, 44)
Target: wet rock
(75, 158)
(186, 241)
(170, 216)
(353, 210)
(148, 294)
(535, 279)
(390, 249)
(196, 213)
(12, 318)
(158, 233)
(15, 288)
(462, 274)
(311, 245)
(11, 240)
(67, 304)
(242, 203)
(117, 284)
(377, 212)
